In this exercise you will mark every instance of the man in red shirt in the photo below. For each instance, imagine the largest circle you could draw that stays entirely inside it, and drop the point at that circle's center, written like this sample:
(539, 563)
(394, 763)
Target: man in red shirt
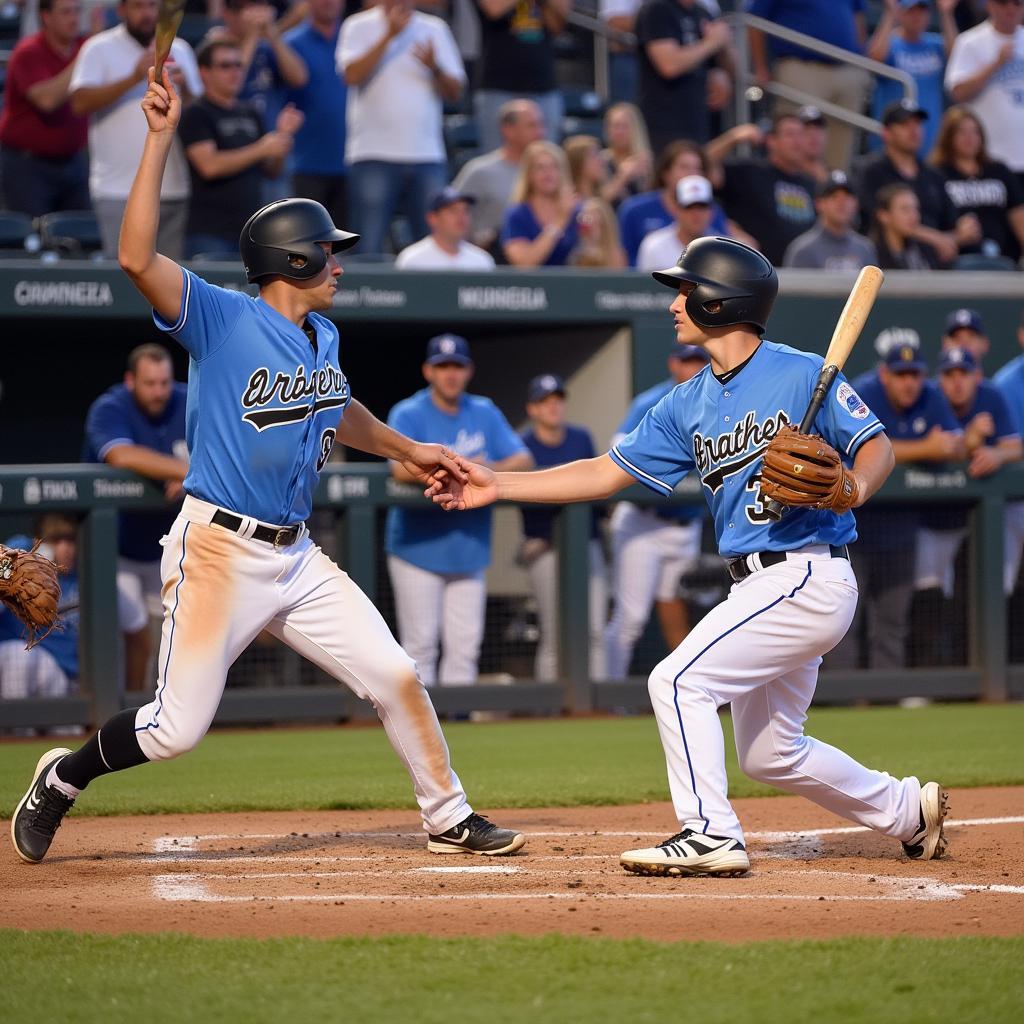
(43, 164)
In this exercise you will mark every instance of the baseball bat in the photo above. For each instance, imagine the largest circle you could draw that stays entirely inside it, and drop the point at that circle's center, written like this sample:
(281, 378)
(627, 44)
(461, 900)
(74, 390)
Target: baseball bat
(167, 22)
(844, 337)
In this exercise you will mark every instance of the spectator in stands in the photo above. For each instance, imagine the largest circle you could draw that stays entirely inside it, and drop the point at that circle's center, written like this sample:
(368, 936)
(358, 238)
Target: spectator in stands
(623, 66)
(641, 214)
(540, 227)
(436, 561)
(517, 61)
(991, 440)
(772, 199)
(228, 151)
(678, 42)
(42, 142)
(108, 83)
(978, 185)
(490, 178)
(814, 165)
(400, 65)
(446, 248)
(598, 230)
(902, 42)
(269, 64)
(628, 153)
(832, 244)
(318, 159)
(895, 230)
(1010, 381)
(692, 208)
(966, 329)
(839, 22)
(50, 669)
(139, 425)
(940, 226)
(552, 441)
(986, 71)
(587, 171)
(923, 431)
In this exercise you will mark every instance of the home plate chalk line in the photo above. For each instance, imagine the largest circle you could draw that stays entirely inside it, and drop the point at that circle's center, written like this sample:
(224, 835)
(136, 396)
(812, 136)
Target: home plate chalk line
(194, 887)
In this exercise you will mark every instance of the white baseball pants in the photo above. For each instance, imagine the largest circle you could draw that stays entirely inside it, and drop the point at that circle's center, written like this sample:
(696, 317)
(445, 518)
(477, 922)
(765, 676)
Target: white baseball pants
(760, 650)
(935, 558)
(544, 579)
(649, 555)
(1013, 540)
(221, 589)
(440, 610)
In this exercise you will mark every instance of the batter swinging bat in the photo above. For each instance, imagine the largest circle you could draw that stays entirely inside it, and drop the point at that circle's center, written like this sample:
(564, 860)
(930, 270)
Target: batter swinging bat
(848, 328)
(167, 22)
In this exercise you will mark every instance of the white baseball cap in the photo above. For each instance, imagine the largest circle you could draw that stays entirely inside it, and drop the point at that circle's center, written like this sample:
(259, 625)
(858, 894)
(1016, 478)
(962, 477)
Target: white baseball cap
(693, 189)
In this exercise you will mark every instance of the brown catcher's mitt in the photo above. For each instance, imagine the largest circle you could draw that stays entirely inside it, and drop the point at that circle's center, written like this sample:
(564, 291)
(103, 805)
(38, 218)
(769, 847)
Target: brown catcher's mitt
(29, 588)
(806, 471)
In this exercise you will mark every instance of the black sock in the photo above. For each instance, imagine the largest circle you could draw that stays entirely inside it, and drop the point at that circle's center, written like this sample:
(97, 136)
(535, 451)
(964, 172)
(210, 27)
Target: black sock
(112, 749)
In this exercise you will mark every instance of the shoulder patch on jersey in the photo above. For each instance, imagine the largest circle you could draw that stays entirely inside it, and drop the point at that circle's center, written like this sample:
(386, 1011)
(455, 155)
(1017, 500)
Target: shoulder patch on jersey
(851, 401)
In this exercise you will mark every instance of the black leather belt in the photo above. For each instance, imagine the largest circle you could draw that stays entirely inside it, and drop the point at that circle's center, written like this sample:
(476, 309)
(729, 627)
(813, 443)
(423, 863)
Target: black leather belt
(739, 569)
(279, 536)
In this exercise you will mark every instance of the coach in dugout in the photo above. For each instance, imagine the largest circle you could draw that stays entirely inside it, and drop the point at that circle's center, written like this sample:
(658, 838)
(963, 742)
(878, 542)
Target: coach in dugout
(139, 425)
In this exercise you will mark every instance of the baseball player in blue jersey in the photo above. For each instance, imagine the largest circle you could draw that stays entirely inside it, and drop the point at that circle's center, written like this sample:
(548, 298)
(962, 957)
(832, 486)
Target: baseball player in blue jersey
(794, 591)
(436, 564)
(1010, 381)
(652, 547)
(267, 399)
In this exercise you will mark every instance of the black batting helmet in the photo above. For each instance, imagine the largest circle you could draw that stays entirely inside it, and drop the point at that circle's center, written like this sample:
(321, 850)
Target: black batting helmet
(284, 238)
(729, 272)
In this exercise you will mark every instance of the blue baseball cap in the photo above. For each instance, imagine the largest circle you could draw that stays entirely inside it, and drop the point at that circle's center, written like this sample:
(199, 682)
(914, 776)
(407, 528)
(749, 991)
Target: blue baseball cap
(688, 352)
(956, 357)
(448, 348)
(447, 197)
(546, 384)
(905, 359)
(964, 318)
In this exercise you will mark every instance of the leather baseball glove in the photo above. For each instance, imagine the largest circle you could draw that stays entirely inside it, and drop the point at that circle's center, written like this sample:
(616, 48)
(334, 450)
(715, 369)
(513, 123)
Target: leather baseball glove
(805, 470)
(29, 588)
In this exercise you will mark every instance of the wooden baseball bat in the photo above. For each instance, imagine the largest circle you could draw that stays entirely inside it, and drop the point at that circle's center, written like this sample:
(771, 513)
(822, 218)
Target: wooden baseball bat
(844, 337)
(167, 22)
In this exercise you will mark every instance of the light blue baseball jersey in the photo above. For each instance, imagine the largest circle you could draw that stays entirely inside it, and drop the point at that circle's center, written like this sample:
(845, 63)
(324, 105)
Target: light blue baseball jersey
(263, 406)
(428, 537)
(721, 431)
(1010, 381)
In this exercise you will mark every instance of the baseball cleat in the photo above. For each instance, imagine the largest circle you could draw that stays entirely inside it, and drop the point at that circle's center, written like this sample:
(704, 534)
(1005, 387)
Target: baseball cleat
(476, 835)
(690, 853)
(38, 816)
(929, 841)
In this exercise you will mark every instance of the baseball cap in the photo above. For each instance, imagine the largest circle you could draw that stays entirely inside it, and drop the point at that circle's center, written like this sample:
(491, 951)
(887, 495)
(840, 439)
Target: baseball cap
(447, 196)
(837, 181)
(448, 348)
(964, 318)
(893, 337)
(811, 115)
(905, 359)
(688, 352)
(956, 357)
(693, 190)
(901, 111)
(546, 384)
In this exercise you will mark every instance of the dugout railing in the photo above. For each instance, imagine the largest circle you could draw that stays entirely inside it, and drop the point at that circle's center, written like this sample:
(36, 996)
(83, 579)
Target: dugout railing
(355, 493)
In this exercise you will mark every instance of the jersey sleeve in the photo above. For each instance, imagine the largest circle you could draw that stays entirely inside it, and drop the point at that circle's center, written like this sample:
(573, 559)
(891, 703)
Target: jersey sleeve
(1002, 418)
(106, 427)
(655, 453)
(207, 316)
(845, 420)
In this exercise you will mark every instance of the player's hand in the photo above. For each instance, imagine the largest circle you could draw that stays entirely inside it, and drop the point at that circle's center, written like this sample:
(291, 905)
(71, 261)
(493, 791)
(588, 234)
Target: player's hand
(477, 487)
(967, 230)
(174, 490)
(945, 445)
(161, 104)
(430, 462)
(290, 120)
(982, 425)
(276, 144)
(397, 18)
(424, 53)
(984, 462)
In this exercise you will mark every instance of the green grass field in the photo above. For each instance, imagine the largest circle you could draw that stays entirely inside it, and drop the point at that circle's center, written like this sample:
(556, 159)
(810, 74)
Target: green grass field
(552, 762)
(174, 978)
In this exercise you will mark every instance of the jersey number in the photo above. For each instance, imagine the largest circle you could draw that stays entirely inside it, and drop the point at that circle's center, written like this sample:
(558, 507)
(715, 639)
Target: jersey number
(755, 511)
(326, 444)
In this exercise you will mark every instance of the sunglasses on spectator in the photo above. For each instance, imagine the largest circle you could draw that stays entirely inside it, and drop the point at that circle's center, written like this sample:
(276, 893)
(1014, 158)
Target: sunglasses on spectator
(228, 65)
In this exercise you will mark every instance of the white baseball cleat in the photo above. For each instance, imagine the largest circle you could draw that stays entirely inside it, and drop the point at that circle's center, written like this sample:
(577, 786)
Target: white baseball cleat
(929, 841)
(690, 853)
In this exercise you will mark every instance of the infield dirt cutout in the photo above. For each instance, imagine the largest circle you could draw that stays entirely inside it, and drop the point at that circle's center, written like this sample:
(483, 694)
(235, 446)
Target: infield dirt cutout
(329, 873)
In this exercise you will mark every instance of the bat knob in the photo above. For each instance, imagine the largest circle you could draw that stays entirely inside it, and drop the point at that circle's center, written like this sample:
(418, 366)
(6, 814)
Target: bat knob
(773, 509)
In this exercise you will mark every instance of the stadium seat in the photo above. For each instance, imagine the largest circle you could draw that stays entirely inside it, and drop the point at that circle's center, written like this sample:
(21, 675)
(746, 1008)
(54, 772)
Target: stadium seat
(583, 126)
(72, 233)
(16, 231)
(581, 101)
(460, 132)
(979, 261)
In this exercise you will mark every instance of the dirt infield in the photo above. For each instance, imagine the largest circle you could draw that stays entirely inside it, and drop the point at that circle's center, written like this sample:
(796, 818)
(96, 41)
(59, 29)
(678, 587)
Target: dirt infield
(357, 873)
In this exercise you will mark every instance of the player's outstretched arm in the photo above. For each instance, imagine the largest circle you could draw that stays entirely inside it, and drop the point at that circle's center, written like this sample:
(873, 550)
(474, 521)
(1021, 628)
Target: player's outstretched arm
(583, 480)
(157, 277)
